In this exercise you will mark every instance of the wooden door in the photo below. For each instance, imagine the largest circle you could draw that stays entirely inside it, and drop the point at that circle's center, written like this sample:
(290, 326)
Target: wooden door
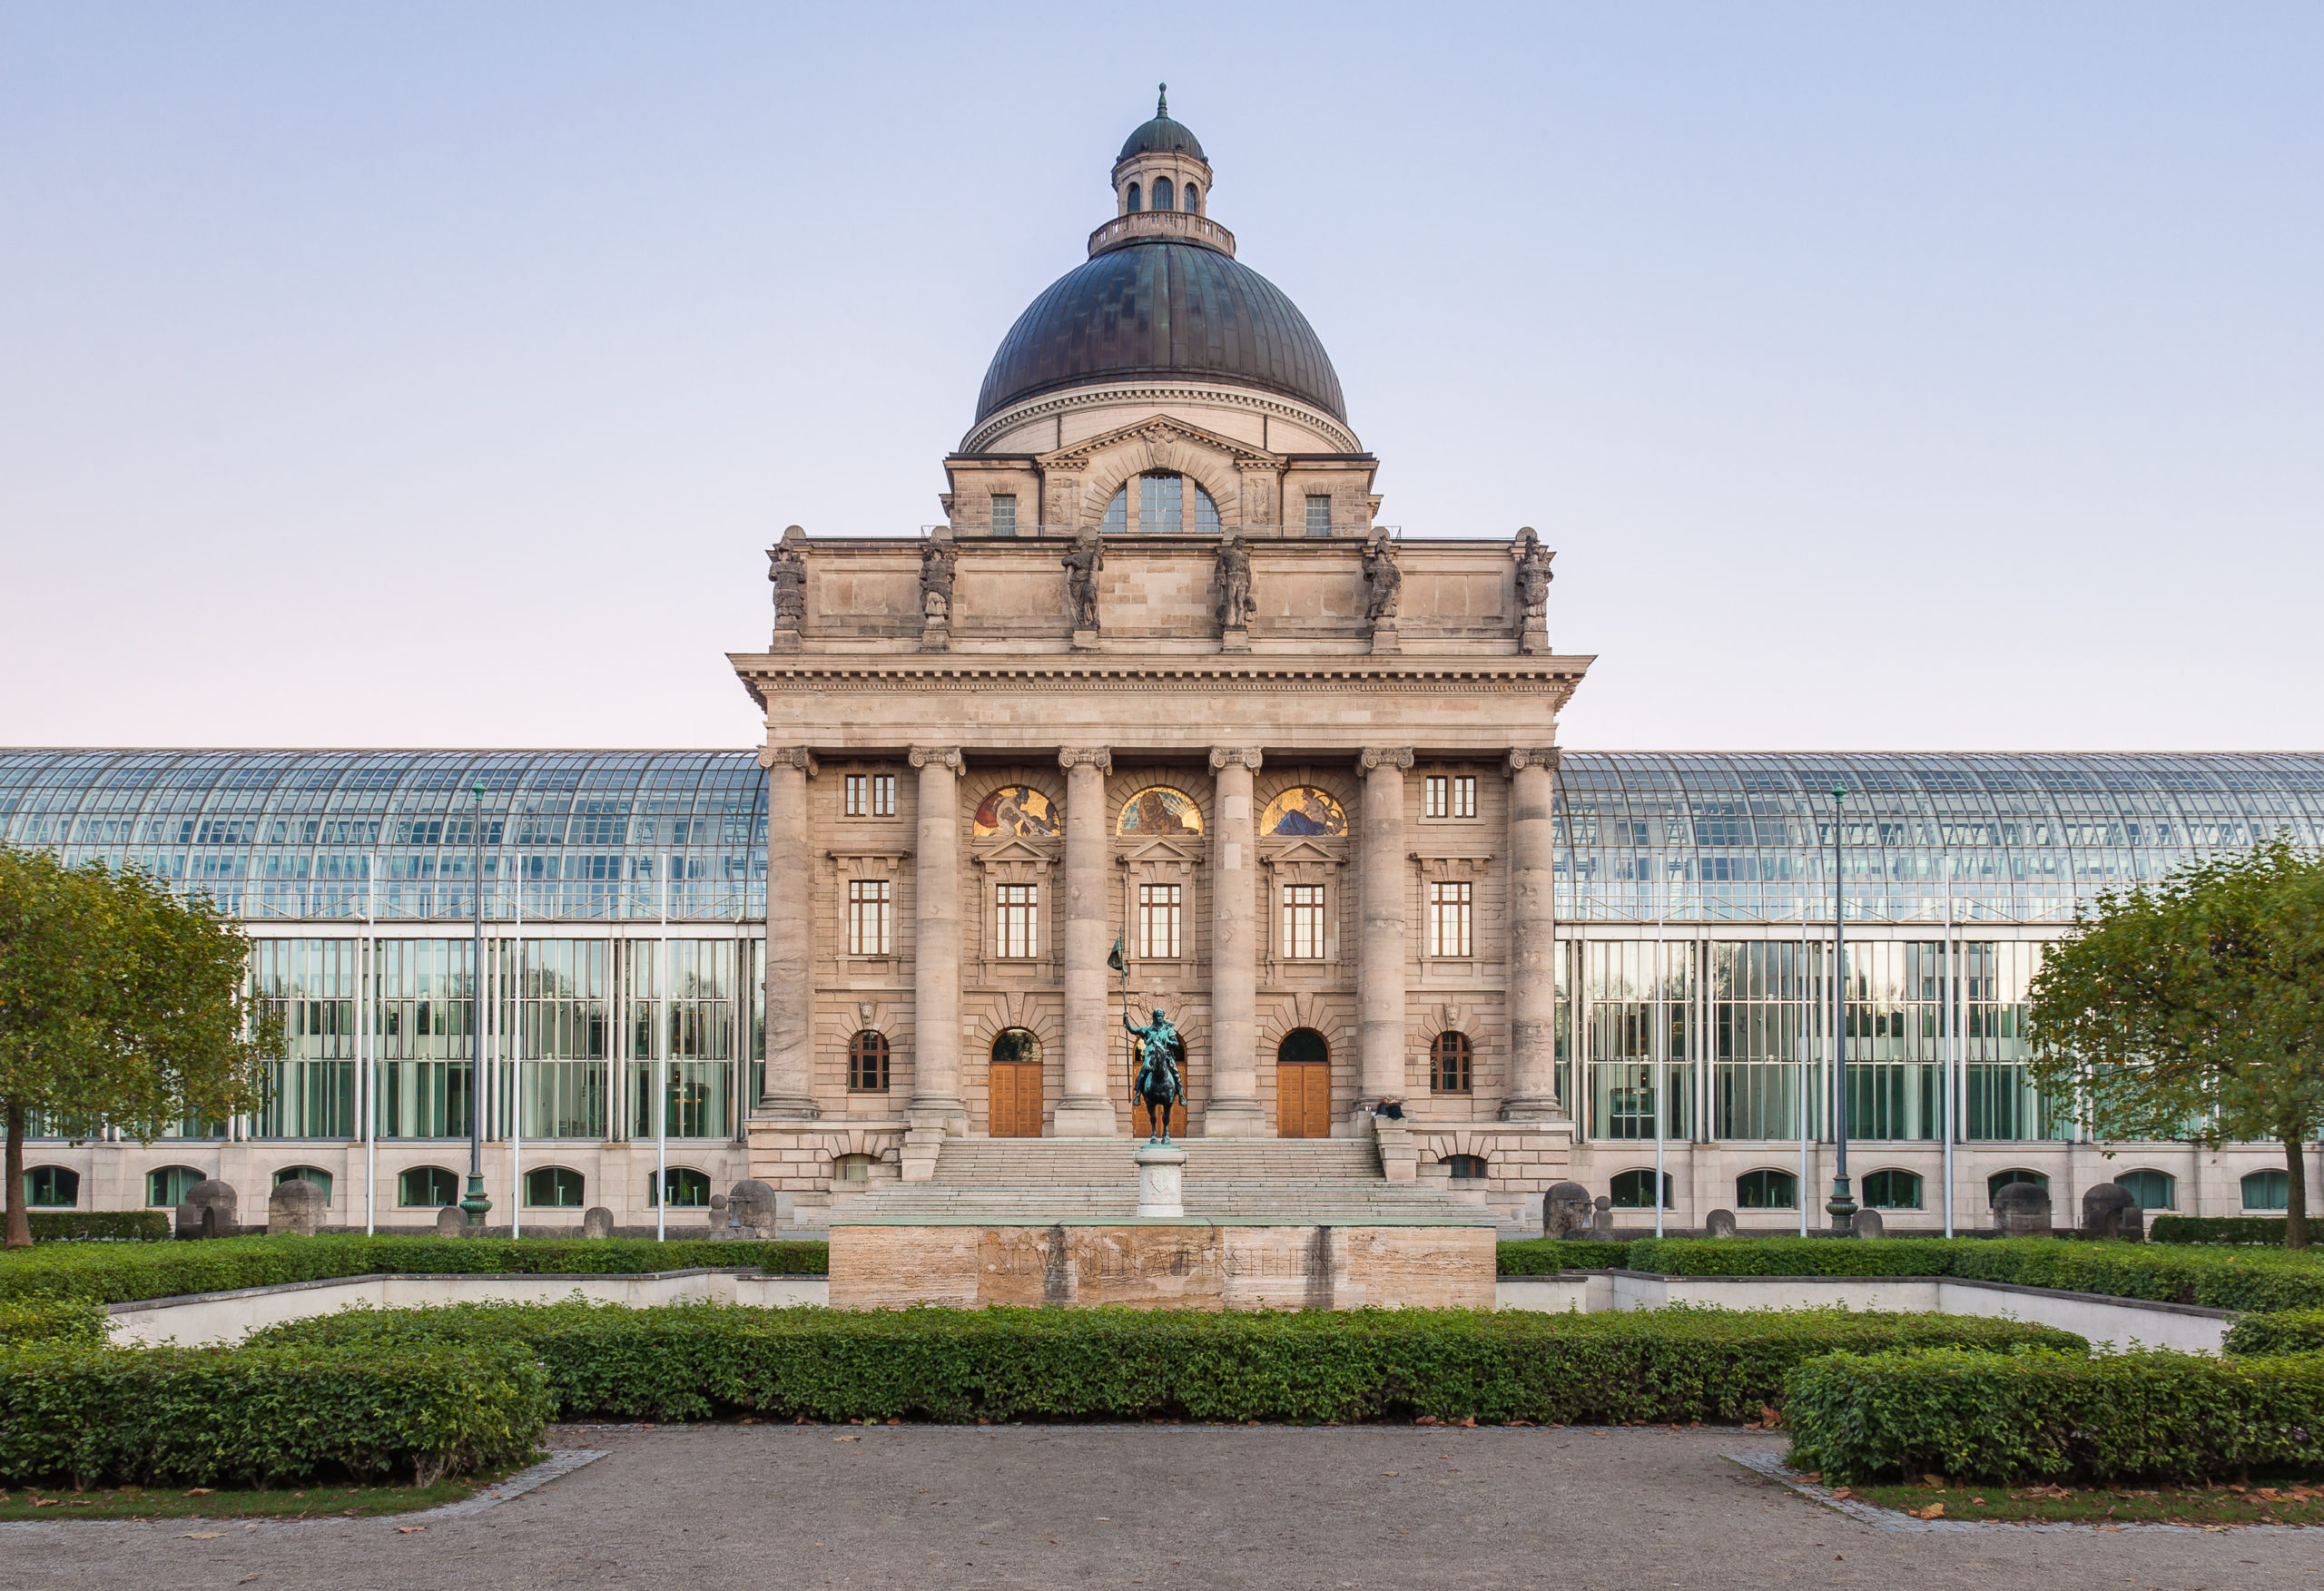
(1302, 1099)
(1015, 1099)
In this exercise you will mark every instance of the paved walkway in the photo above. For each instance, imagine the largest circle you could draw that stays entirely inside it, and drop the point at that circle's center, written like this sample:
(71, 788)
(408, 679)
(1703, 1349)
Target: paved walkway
(1263, 1508)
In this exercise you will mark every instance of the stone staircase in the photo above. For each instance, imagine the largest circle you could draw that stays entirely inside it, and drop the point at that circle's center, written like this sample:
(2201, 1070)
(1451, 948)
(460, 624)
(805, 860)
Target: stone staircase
(1297, 1181)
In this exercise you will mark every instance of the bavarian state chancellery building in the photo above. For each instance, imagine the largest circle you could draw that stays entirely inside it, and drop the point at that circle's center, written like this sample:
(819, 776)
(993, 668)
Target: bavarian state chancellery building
(1163, 677)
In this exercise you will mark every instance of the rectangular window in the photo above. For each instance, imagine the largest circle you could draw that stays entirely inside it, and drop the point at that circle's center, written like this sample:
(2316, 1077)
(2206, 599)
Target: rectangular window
(1450, 795)
(871, 918)
(883, 795)
(1018, 933)
(1004, 515)
(1158, 920)
(1439, 803)
(858, 791)
(1303, 922)
(1319, 515)
(1464, 795)
(1161, 502)
(1449, 905)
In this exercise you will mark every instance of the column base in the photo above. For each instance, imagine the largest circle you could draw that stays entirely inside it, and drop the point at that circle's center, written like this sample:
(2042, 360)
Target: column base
(788, 1107)
(1236, 1118)
(1085, 1116)
(1536, 1107)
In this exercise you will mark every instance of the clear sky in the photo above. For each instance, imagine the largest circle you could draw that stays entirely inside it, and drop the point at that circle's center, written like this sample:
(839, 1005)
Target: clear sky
(1941, 375)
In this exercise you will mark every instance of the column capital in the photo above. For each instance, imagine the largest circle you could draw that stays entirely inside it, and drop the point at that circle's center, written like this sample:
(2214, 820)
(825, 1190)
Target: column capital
(798, 757)
(937, 756)
(1534, 757)
(1376, 757)
(1101, 758)
(1248, 757)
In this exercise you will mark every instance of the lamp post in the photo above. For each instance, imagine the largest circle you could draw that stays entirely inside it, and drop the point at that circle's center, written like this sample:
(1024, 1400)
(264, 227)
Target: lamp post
(1842, 1207)
(476, 1204)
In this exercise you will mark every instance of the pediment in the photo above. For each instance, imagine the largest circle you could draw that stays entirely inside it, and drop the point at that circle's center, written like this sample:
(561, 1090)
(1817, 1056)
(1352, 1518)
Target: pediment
(1165, 850)
(1160, 432)
(1017, 850)
(1304, 851)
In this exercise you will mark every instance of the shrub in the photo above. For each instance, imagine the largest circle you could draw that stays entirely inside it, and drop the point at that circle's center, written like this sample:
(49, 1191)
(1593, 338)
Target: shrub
(2230, 1279)
(1793, 1256)
(1546, 1256)
(50, 1226)
(50, 1319)
(2001, 1418)
(685, 1361)
(2261, 1336)
(84, 1416)
(2217, 1229)
(124, 1273)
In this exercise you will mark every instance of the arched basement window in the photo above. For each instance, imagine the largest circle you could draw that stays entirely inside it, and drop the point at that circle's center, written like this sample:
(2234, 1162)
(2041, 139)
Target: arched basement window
(52, 1187)
(689, 1189)
(1767, 1190)
(1634, 1190)
(166, 1185)
(427, 1187)
(2267, 1190)
(2154, 1190)
(305, 1174)
(1467, 1168)
(1892, 1190)
(1162, 193)
(2001, 1179)
(554, 1187)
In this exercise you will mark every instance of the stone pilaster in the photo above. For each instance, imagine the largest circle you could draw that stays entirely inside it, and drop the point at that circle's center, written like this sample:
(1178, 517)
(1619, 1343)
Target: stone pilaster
(1380, 977)
(1087, 1108)
(1532, 940)
(789, 983)
(1233, 1110)
(936, 1102)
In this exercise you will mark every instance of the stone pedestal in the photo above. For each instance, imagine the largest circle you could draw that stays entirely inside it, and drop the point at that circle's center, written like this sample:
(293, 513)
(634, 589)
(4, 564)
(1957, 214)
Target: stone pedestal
(1235, 638)
(935, 635)
(1161, 1182)
(1383, 638)
(784, 641)
(1085, 641)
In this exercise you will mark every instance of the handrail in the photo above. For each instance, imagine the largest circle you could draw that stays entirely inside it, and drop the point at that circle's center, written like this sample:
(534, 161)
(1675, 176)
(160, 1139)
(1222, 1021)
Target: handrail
(1182, 224)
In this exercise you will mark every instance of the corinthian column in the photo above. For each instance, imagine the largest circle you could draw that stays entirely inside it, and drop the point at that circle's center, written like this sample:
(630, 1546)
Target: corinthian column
(1532, 941)
(936, 950)
(1234, 1110)
(1087, 1109)
(790, 985)
(1380, 983)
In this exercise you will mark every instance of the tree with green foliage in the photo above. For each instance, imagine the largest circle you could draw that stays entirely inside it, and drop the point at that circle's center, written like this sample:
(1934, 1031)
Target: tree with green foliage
(2192, 1008)
(121, 1005)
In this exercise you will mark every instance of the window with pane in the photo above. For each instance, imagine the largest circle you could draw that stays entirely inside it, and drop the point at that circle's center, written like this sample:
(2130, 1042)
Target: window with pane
(306, 1173)
(1634, 1190)
(554, 1187)
(423, 995)
(1004, 515)
(1136, 199)
(2267, 1190)
(688, 1188)
(883, 795)
(1467, 1168)
(2153, 1190)
(1764, 1037)
(1450, 795)
(857, 800)
(561, 1026)
(1162, 501)
(1452, 1063)
(1319, 515)
(871, 917)
(1303, 922)
(1638, 1023)
(690, 1028)
(311, 983)
(1017, 931)
(166, 1185)
(2012, 1178)
(52, 1187)
(1158, 909)
(1449, 905)
(1161, 193)
(2001, 1101)
(1767, 1190)
(427, 1187)
(1892, 1190)
(867, 1063)
(1116, 520)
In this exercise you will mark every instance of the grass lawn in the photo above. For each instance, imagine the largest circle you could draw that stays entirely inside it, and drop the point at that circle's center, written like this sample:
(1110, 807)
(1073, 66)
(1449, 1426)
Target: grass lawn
(2260, 1502)
(307, 1502)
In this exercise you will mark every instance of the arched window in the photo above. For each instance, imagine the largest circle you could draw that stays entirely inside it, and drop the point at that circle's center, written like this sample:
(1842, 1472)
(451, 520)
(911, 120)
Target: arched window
(1191, 199)
(1467, 1168)
(1206, 513)
(1162, 193)
(1303, 1046)
(52, 1187)
(689, 1189)
(2001, 1179)
(1161, 501)
(2267, 1190)
(1118, 514)
(166, 1185)
(1767, 1190)
(427, 1187)
(1634, 1190)
(554, 1187)
(1892, 1190)
(1134, 205)
(305, 1174)
(867, 1063)
(2154, 1190)
(1450, 1055)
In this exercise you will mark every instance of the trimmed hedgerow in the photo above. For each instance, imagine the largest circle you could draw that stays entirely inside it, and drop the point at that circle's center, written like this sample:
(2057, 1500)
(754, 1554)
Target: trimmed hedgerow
(76, 1415)
(50, 1319)
(2030, 1414)
(1794, 1256)
(2217, 1229)
(124, 1274)
(2283, 1331)
(690, 1361)
(1546, 1256)
(50, 1226)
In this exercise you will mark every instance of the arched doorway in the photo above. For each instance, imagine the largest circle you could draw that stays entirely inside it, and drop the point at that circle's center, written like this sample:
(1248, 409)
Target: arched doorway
(1302, 1086)
(1016, 1082)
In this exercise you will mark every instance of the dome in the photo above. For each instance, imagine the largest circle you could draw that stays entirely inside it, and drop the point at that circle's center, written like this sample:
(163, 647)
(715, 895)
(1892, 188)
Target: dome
(1166, 310)
(1161, 136)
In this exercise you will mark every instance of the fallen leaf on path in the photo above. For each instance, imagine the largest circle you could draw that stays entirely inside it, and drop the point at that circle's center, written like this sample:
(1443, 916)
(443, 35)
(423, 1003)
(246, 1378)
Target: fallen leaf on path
(1933, 1511)
(199, 1491)
(409, 1529)
(856, 1437)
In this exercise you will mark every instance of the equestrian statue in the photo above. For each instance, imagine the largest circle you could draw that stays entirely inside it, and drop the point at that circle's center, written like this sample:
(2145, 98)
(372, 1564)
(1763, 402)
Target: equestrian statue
(1154, 1075)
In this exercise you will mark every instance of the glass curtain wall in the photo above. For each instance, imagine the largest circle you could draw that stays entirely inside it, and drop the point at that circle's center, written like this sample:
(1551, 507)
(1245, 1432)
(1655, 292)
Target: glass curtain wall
(560, 1018)
(1767, 1040)
(2003, 1102)
(311, 984)
(424, 1001)
(1896, 1031)
(1639, 1000)
(694, 1032)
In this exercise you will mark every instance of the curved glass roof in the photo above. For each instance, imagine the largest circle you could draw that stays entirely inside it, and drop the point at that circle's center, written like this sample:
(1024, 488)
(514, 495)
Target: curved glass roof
(1642, 836)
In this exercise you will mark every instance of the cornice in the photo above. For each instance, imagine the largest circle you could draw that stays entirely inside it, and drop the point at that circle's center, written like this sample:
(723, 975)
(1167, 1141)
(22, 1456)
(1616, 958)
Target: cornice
(1041, 406)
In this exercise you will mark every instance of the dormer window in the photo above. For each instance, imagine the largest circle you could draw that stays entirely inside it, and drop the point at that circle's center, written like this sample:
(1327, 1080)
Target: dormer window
(1161, 506)
(1162, 193)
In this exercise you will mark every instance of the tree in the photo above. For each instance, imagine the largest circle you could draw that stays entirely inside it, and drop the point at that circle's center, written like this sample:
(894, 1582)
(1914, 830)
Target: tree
(2194, 1008)
(121, 1005)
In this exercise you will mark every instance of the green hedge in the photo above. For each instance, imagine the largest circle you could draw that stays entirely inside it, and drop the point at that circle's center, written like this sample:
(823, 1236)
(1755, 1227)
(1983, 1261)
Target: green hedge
(2262, 1336)
(1546, 1256)
(1795, 1256)
(84, 1416)
(690, 1361)
(123, 1273)
(50, 1226)
(2217, 1229)
(2001, 1418)
(50, 1319)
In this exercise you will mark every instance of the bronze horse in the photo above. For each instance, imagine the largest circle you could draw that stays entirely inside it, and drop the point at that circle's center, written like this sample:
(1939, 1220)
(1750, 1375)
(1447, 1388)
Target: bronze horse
(1158, 1080)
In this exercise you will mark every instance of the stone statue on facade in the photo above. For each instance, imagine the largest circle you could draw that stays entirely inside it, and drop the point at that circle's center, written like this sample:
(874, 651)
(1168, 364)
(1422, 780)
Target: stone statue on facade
(936, 580)
(1081, 567)
(1156, 1080)
(786, 569)
(1381, 578)
(1234, 574)
(1534, 577)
